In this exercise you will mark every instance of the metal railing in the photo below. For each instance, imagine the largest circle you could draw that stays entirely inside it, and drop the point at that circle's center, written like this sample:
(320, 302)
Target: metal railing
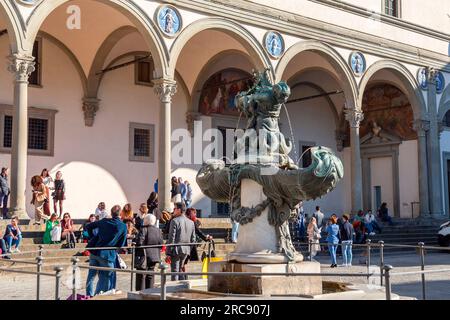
(385, 270)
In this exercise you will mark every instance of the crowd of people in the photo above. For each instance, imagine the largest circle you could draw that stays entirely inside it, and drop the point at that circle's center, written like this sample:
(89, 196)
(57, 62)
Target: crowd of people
(342, 231)
(181, 191)
(123, 227)
(149, 227)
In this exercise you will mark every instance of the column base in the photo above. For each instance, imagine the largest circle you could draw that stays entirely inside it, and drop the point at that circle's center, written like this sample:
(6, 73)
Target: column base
(438, 216)
(21, 213)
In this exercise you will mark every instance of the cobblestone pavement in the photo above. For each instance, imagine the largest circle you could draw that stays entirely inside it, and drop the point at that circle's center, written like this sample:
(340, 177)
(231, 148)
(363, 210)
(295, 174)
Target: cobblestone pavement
(23, 287)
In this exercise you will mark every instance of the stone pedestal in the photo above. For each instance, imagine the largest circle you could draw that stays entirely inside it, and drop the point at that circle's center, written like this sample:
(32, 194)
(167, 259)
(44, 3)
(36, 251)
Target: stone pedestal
(257, 241)
(266, 285)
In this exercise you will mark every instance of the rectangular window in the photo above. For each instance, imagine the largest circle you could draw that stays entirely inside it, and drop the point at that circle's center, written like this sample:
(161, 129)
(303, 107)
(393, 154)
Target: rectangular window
(37, 134)
(35, 77)
(144, 71)
(391, 8)
(7, 132)
(41, 124)
(142, 140)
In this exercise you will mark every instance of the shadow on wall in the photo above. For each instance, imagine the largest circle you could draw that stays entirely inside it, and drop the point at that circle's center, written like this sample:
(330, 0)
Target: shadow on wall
(86, 185)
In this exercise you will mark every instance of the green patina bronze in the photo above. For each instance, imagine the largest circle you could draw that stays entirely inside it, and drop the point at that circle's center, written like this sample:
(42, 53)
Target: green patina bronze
(284, 184)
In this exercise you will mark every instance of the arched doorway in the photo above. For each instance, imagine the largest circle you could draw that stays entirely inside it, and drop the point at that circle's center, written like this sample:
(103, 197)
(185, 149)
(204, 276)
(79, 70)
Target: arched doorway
(388, 138)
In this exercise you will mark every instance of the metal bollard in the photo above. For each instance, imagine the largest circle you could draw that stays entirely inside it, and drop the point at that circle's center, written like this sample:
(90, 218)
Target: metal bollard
(387, 269)
(38, 277)
(58, 278)
(422, 267)
(163, 267)
(381, 243)
(368, 242)
(310, 249)
(75, 261)
(133, 252)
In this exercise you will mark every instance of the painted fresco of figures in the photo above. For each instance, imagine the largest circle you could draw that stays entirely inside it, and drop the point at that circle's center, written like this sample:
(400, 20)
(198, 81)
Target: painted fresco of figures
(218, 92)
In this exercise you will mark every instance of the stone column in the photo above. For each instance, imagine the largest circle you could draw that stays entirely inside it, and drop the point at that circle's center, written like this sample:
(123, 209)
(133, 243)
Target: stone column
(21, 66)
(165, 89)
(422, 127)
(434, 150)
(354, 118)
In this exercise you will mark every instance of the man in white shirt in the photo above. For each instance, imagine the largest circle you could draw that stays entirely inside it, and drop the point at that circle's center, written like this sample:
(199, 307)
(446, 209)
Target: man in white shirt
(100, 212)
(319, 216)
(371, 223)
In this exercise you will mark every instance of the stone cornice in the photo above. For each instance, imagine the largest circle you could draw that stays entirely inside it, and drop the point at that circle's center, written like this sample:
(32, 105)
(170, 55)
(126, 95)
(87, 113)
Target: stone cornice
(397, 22)
(308, 28)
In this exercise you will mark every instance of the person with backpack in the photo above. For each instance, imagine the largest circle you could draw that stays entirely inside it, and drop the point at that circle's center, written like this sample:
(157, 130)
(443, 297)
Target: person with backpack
(347, 234)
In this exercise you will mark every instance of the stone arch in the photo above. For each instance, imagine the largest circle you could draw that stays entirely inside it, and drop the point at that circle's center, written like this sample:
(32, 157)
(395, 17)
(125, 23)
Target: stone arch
(332, 56)
(444, 105)
(93, 81)
(203, 76)
(180, 82)
(14, 26)
(256, 52)
(140, 20)
(71, 56)
(321, 91)
(413, 93)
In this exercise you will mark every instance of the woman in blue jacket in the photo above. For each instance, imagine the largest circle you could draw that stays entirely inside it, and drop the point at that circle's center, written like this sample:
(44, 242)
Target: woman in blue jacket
(333, 239)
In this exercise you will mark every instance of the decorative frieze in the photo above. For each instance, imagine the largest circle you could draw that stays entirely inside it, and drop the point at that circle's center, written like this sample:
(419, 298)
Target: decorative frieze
(22, 65)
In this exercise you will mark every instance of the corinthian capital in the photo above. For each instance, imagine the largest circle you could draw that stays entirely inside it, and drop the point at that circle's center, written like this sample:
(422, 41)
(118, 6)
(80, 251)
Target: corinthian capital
(90, 108)
(354, 117)
(21, 65)
(421, 127)
(165, 89)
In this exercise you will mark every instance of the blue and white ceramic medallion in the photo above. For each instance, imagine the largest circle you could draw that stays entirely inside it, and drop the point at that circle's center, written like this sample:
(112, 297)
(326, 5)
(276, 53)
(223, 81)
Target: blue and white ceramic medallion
(440, 82)
(274, 44)
(422, 78)
(357, 63)
(169, 20)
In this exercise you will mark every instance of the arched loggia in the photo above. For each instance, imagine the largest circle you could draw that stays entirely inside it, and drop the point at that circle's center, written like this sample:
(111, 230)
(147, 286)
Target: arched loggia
(139, 19)
(253, 47)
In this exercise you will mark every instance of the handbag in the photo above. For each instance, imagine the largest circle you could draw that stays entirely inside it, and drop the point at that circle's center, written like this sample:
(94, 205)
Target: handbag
(56, 233)
(210, 257)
